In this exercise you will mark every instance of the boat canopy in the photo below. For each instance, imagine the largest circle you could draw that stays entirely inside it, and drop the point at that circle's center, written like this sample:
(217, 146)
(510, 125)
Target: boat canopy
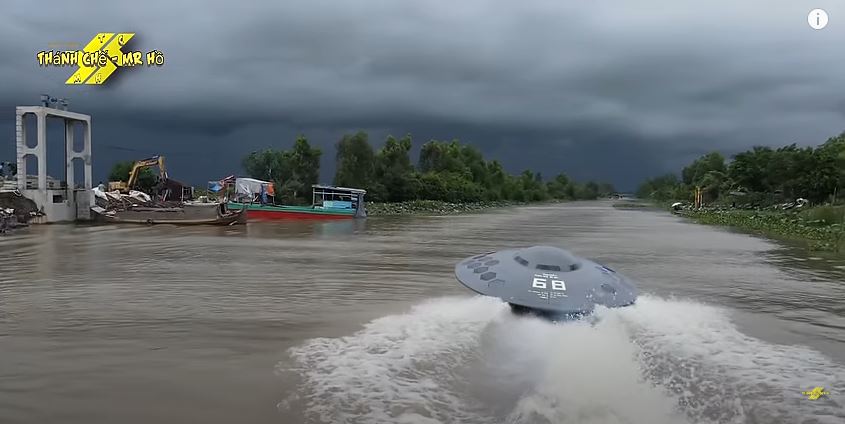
(331, 197)
(339, 189)
(251, 186)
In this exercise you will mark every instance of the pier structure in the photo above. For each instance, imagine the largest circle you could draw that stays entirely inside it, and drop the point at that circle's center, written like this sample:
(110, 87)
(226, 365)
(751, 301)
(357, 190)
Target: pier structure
(70, 201)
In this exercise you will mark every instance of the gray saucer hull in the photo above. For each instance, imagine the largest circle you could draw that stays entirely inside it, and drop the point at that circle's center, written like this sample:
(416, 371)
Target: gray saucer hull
(545, 279)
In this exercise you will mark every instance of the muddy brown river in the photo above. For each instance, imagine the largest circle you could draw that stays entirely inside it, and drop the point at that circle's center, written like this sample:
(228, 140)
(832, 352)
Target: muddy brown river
(363, 322)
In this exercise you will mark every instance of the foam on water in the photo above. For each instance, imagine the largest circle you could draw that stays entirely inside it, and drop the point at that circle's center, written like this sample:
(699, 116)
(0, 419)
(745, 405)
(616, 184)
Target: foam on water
(398, 368)
(581, 374)
(721, 375)
(457, 360)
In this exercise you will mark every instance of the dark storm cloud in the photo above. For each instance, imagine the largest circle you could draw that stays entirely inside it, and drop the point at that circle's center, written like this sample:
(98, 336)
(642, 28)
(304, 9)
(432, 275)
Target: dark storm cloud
(616, 90)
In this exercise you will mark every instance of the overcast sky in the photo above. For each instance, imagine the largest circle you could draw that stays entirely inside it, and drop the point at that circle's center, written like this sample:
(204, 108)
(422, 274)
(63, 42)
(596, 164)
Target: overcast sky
(612, 90)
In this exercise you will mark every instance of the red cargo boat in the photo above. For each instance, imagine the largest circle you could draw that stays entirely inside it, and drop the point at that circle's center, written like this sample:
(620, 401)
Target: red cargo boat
(328, 202)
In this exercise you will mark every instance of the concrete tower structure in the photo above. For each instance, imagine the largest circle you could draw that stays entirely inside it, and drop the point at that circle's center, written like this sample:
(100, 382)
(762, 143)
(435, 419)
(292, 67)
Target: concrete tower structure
(62, 203)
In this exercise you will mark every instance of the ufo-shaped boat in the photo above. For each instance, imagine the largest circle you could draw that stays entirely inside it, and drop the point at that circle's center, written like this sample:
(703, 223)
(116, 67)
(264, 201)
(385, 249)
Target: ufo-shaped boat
(545, 280)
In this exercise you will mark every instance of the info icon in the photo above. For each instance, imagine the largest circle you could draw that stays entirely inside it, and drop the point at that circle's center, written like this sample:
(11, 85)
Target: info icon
(817, 19)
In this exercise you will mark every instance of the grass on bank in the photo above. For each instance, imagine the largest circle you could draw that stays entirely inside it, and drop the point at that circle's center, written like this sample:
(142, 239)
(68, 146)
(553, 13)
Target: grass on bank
(432, 207)
(822, 228)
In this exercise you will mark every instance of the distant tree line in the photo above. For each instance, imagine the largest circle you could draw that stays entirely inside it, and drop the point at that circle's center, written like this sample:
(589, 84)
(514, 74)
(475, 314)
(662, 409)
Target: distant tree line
(447, 171)
(759, 175)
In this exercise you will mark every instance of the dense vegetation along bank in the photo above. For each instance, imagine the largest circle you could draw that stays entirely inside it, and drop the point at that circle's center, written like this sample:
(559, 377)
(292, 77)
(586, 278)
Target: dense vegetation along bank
(432, 207)
(758, 177)
(821, 228)
(449, 172)
(750, 191)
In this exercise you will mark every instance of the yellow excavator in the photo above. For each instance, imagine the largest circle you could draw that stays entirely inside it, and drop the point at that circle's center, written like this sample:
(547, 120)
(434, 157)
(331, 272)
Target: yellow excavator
(124, 187)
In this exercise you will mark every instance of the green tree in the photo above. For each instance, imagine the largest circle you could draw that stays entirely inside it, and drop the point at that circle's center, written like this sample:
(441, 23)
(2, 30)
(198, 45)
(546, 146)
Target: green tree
(437, 156)
(749, 169)
(498, 181)
(449, 187)
(694, 173)
(463, 172)
(292, 172)
(531, 187)
(268, 165)
(355, 161)
(835, 148)
(304, 163)
(765, 174)
(588, 191)
(474, 166)
(822, 178)
(712, 184)
(395, 177)
(561, 188)
(663, 188)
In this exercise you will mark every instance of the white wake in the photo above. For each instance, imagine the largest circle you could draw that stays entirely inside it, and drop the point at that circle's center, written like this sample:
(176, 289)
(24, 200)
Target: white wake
(469, 360)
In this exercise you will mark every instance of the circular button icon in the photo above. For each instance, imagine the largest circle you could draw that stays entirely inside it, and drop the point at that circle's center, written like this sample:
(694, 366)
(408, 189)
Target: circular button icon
(817, 19)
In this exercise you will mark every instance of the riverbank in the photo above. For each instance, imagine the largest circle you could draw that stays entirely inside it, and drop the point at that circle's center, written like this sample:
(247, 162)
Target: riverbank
(433, 207)
(819, 228)
(634, 204)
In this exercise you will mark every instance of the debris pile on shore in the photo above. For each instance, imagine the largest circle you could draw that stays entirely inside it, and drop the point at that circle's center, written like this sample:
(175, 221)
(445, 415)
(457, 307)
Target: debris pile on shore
(15, 211)
(115, 200)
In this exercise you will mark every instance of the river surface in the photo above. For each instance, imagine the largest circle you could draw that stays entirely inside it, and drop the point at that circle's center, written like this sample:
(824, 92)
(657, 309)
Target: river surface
(363, 322)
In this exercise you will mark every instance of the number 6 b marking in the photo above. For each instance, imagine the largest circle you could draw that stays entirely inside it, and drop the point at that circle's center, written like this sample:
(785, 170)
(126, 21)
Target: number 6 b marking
(540, 283)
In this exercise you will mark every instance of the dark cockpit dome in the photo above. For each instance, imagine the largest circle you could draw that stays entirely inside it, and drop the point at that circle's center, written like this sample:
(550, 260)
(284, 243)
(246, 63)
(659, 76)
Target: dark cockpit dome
(547, 258)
